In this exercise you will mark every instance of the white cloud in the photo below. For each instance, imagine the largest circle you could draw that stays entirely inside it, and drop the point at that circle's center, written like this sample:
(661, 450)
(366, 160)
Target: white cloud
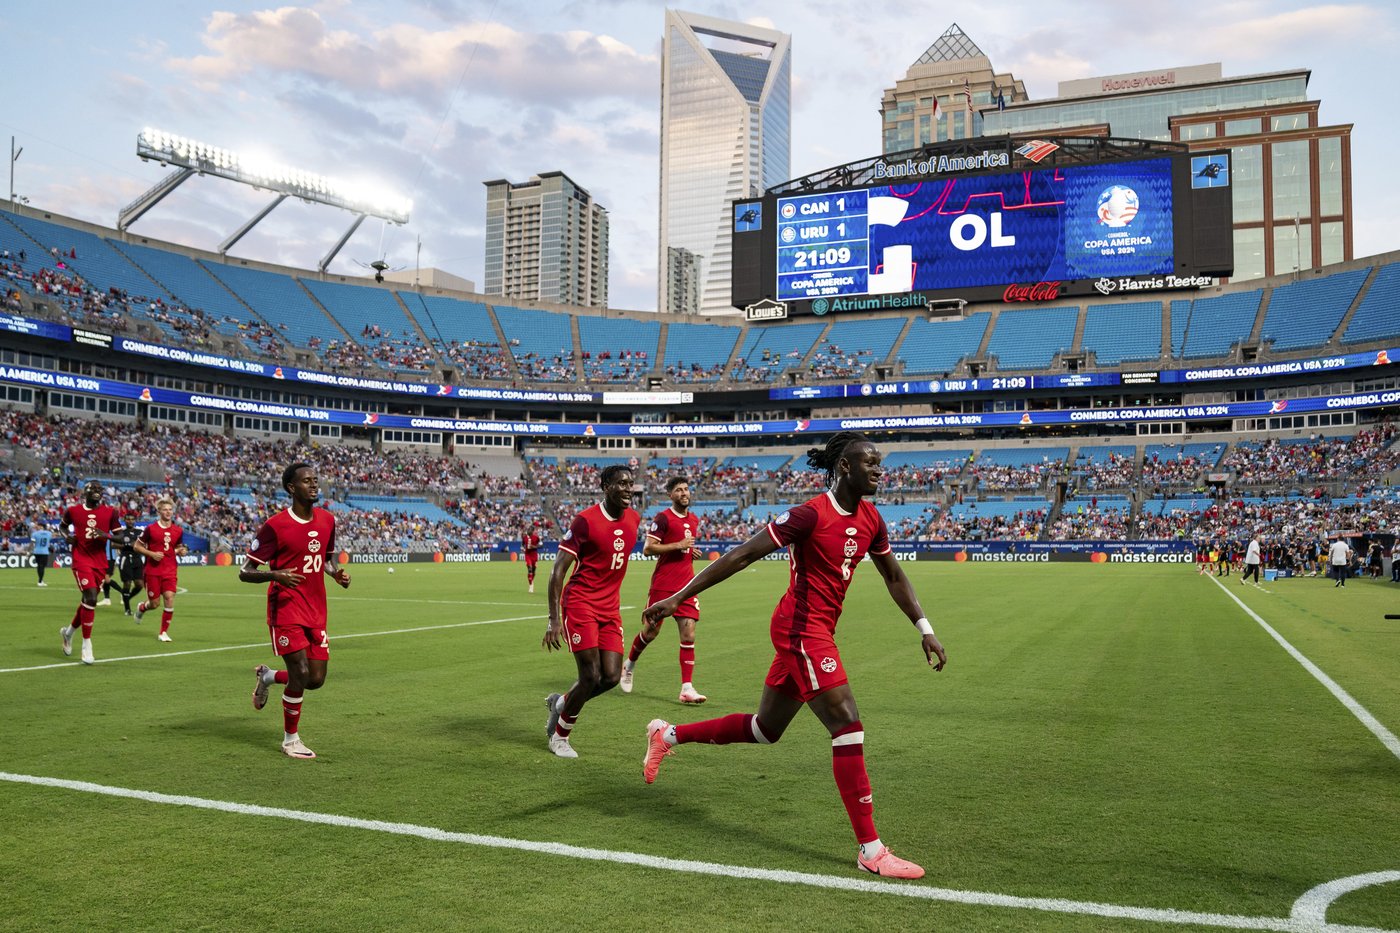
(408, 60)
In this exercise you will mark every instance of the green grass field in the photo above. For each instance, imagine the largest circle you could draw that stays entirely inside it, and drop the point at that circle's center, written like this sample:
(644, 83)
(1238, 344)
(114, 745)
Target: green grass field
(1123, 736)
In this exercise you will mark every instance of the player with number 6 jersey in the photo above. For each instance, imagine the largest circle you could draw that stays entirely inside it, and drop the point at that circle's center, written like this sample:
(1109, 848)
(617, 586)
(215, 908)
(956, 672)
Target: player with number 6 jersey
(587, 610)
(296, 546)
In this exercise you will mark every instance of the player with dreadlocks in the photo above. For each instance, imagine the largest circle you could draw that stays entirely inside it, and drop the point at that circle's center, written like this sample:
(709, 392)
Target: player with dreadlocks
(826, 537)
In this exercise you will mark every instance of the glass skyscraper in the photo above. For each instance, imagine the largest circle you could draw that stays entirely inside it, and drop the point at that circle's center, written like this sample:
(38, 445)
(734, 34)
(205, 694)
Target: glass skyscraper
(726, 127)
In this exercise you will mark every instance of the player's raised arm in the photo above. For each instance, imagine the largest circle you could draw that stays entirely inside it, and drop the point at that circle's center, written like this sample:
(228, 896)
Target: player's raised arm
(902, 592)
(730, 563)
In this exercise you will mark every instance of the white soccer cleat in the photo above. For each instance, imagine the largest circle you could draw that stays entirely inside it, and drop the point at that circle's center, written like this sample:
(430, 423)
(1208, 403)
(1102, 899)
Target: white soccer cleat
(41, 583)
(164, 636)
(626, 680)
(561, 747)
(67, 634)
(294, 749)
(532, 587)
(140, 611)
(690, 695)
(260, 691)
(87, 651)
(104, 602)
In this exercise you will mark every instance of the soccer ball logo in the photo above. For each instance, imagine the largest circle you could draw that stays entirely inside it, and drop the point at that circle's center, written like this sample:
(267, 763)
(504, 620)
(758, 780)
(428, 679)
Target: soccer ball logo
(1118, 205)
(617, 544)
(576, 638)
(850, 548)
(283, 641)
(828, 664)
(313, 545)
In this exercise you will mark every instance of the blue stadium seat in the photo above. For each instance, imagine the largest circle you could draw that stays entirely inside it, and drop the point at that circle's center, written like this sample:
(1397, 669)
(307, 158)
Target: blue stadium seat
(617, 337)
(1023, 456)
(1305, 314)
(936, 347)
(1124, 333)
(373, 318)
(1216, 324)
(852, 347)
(276, 297)
(698, 352)
(542, 342)
(1378, 315)
(784, 345)
(1030, 339)
(192, 285)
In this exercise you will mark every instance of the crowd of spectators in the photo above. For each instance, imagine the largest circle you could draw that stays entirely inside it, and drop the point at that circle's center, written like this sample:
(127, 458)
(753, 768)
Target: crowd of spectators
(694, 372)
(1023, 525)
(996, 477)
(1320, 459)
(1178, 469)
(1086, 521)
(478, 360)
(1118, 471)
(831, 362)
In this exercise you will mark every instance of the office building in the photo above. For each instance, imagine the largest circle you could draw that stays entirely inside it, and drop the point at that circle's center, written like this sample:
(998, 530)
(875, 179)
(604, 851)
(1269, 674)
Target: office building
(954, 74)
(1290, 173)
(546, 240)
(725, 134)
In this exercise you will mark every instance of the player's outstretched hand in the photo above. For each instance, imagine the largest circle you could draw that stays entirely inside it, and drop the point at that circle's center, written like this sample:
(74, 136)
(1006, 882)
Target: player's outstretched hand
(934, 648)
(342, 576)
(287, 578)
(658, 611)
(551, 641)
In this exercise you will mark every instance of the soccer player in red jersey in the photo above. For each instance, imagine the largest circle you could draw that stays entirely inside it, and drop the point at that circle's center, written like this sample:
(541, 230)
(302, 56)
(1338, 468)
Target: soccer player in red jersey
(295, 546)
(587, 609)
(826, 538)
(160, 543)
(530, 545)
(671, 539)
(87, 527)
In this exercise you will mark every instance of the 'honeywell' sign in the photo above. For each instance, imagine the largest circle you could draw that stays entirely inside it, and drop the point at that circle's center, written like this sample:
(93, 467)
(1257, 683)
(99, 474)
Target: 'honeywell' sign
(1140, 81)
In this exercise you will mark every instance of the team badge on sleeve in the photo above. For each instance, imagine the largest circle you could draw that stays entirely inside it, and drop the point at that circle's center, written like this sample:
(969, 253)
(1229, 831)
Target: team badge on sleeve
(780, 519)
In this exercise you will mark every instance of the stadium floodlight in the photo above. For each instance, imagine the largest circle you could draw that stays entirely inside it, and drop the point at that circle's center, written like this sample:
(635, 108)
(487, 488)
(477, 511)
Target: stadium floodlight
(191, 157)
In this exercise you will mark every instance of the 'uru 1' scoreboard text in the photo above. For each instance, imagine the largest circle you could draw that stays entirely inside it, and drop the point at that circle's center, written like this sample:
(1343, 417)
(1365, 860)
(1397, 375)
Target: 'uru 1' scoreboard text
(823, 245)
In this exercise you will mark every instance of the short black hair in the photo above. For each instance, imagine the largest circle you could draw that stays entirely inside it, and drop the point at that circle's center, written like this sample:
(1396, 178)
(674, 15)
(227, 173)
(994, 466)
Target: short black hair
(675, 481)
(289, 475)
(826, 458)
(609, 473)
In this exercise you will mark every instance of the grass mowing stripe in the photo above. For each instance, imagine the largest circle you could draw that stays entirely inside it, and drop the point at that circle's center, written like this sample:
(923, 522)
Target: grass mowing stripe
(1387, 737)
(831, 882)
(263, 644)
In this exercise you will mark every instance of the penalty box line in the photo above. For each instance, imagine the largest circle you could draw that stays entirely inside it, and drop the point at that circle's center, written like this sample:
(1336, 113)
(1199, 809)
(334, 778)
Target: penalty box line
(263, 644)
(688, 866)
(1388, 738)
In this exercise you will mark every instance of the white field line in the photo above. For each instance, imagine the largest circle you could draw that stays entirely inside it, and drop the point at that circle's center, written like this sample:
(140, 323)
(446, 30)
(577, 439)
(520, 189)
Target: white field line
(1312, 907)
(265, 644)
(1387, 737)
(338, 599)
(687, 866)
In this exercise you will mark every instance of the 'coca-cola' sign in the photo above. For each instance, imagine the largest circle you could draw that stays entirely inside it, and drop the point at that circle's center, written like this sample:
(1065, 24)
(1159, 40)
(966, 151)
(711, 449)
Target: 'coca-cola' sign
(1037, 291)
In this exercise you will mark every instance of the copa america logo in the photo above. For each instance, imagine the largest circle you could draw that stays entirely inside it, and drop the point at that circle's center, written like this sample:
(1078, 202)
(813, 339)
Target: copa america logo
(1118, 205)
(821, 306)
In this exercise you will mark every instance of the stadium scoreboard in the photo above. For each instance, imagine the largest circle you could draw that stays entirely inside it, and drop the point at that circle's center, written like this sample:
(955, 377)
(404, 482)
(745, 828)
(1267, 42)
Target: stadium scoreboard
(1020, 233)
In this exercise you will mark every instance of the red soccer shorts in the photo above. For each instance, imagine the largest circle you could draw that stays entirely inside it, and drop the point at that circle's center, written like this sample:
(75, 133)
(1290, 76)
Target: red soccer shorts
(605, 634)
(690, 609)
(532, 558)
(89, 576)
(805, 667)
(157, 584)
(289, 639)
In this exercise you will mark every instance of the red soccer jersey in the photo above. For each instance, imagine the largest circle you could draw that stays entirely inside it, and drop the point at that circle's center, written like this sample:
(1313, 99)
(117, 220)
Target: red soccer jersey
(286, 542)
(164, 538)
(78, 519)
(674, 569)
(824, 546)
(602, 545)
(530, 542)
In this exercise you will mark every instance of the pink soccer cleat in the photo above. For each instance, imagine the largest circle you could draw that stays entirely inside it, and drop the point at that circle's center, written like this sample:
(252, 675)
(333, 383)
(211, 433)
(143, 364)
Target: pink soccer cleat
(690, 695)
(889, 865)
(657, 749)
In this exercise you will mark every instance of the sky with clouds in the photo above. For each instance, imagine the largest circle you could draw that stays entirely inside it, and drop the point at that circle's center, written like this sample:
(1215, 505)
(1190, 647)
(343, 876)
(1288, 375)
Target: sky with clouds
(432, 97)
